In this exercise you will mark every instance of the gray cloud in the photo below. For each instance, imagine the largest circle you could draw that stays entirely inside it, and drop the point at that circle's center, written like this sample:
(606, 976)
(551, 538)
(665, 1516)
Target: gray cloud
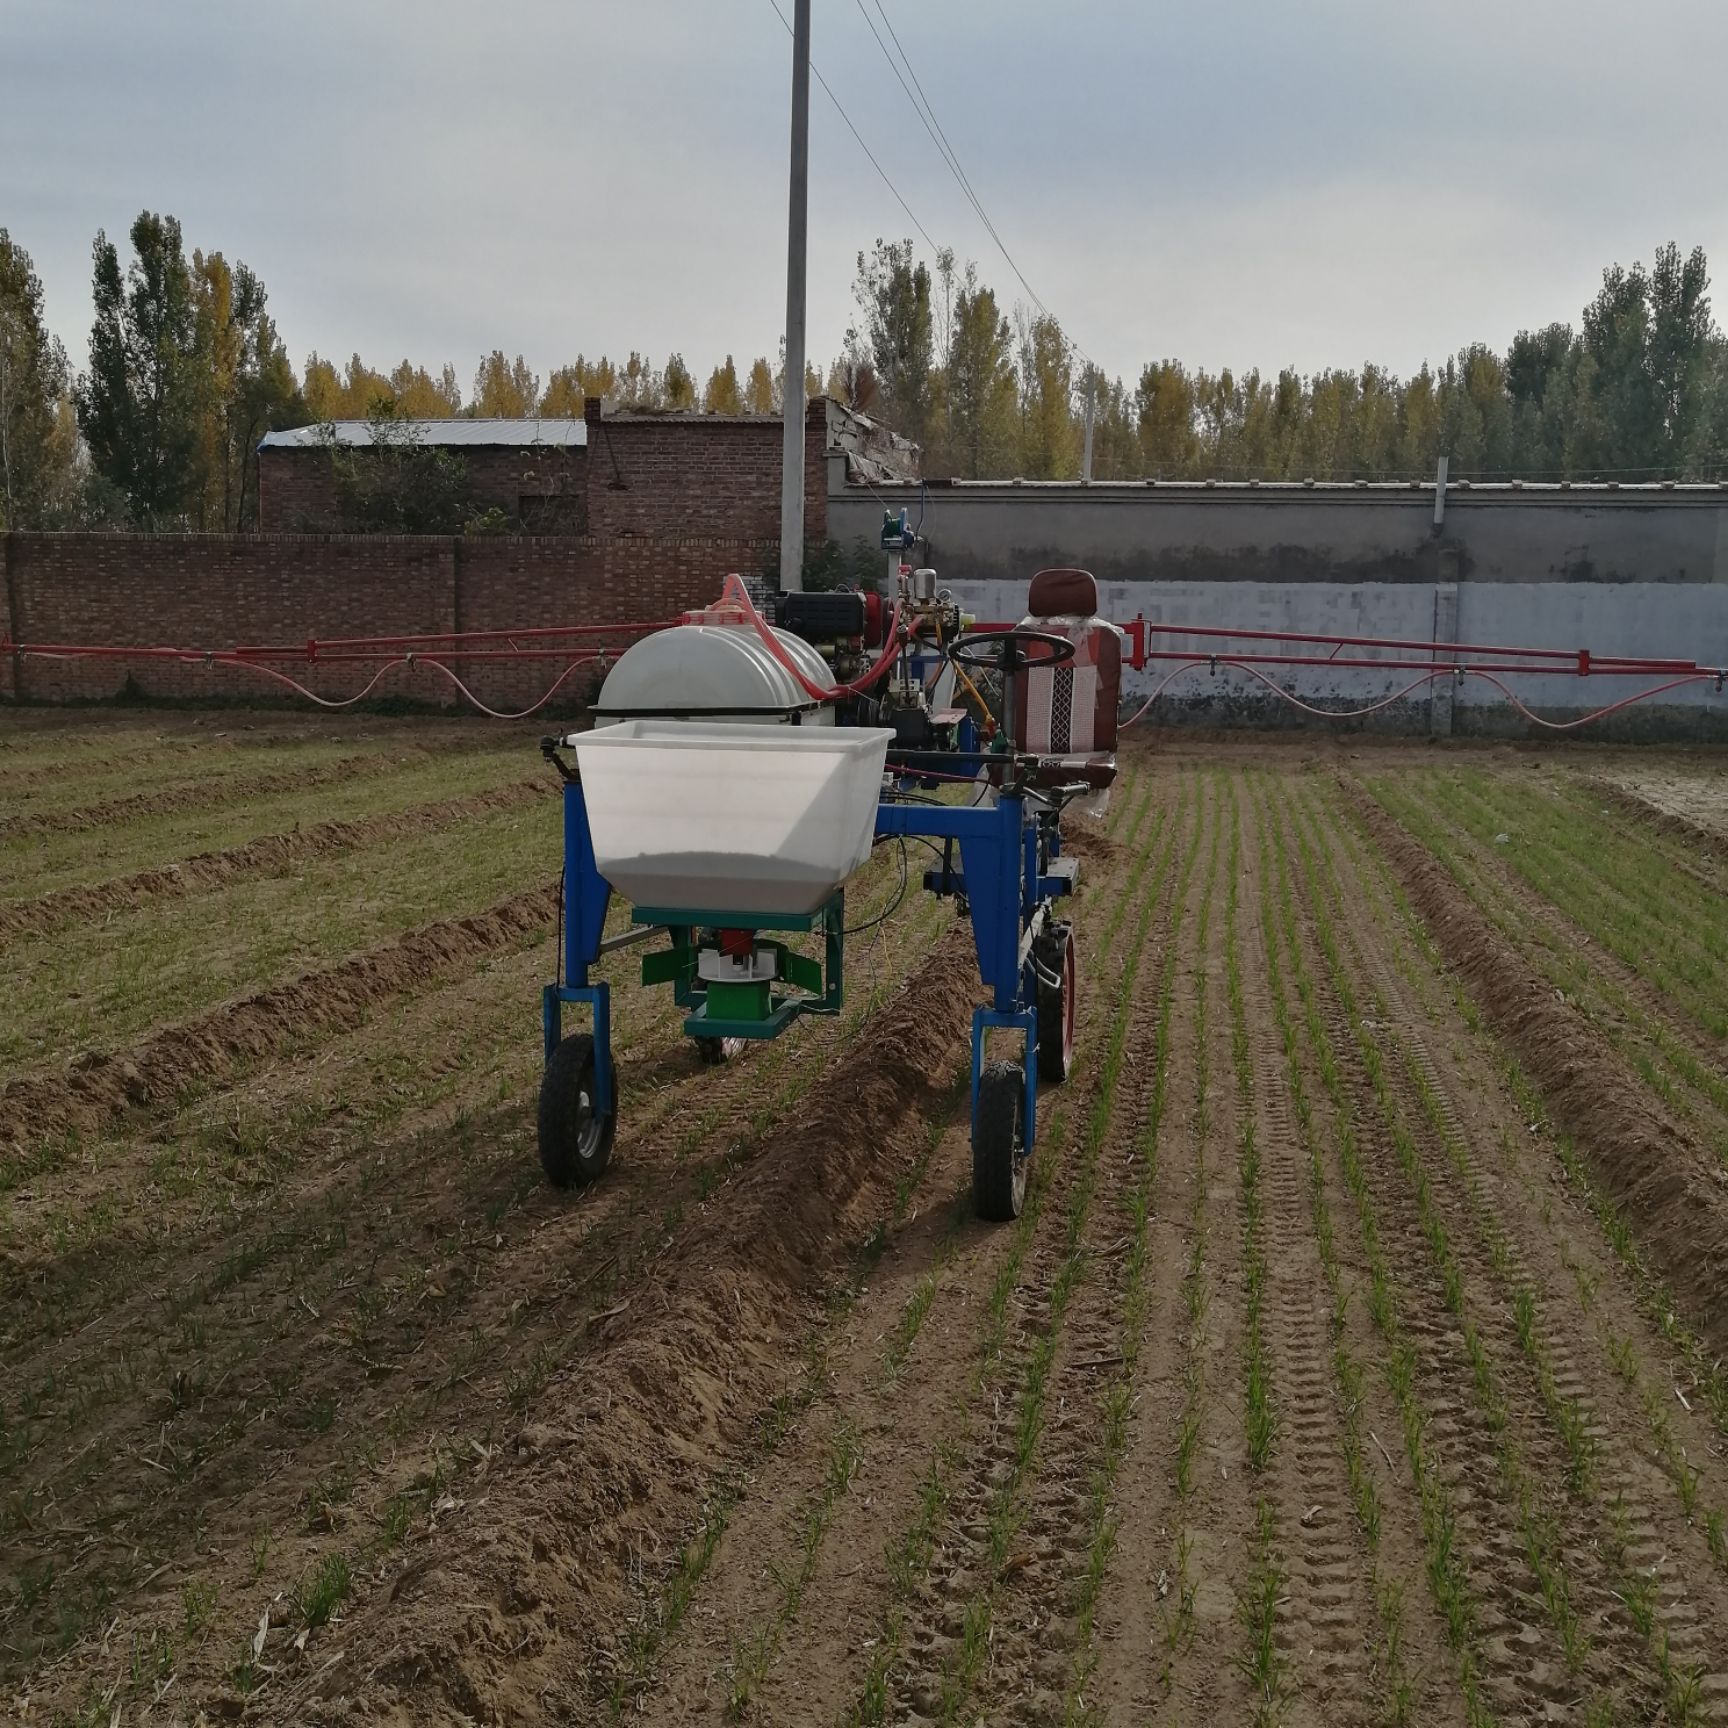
(1241, 182)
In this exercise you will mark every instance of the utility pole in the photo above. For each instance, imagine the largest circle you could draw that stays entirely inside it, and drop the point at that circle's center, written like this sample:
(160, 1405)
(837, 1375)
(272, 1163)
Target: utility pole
(797, 243)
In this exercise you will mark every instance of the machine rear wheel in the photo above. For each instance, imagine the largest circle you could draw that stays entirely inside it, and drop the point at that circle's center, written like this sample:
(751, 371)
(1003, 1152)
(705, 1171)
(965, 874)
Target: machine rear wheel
(1056, 1004)
(999, 1151)
(575, 1142)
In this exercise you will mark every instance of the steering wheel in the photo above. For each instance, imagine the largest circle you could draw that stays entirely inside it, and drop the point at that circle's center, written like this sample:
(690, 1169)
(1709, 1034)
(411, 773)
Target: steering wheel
(1010, 651)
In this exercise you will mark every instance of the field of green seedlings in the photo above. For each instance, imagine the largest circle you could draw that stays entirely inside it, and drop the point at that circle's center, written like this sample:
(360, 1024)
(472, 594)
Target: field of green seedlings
(1356, 1359)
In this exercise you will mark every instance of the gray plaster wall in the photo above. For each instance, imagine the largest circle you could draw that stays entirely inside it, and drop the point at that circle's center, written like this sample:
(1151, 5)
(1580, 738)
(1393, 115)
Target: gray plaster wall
(1631, 571)
(1237, 533)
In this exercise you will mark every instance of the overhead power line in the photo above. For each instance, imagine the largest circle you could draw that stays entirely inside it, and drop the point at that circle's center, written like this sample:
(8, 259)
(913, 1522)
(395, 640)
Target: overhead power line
(839, 109)
(926, 112)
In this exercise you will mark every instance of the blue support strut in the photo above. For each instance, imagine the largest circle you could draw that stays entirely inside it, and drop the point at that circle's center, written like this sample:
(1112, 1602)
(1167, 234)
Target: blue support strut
(587, 896)
(1003, 887)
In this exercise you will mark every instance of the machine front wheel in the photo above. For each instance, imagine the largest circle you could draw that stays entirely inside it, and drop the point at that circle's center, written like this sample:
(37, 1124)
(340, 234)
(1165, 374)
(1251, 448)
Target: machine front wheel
(999, 1150)
(575, 1142)
(1056, 1004)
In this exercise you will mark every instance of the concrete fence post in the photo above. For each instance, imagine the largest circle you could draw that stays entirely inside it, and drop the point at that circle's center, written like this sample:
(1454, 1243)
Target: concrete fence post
(1445, 630)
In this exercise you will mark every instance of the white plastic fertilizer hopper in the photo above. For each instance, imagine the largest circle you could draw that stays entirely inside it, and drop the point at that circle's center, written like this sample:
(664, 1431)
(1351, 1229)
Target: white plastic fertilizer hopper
(706, 818)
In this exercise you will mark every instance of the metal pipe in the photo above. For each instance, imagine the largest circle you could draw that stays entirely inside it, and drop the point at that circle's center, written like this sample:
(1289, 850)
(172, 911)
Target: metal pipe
(797, 241)
(629, 938)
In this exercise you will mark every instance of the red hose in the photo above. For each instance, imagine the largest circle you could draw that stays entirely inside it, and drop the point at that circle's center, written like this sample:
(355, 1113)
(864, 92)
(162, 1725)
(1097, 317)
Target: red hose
(1601, 713)
(239, 664)
(1386, 701)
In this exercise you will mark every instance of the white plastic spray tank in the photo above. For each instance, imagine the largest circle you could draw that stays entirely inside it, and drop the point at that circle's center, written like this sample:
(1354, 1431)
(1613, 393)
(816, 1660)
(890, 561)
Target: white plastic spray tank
(714, 672)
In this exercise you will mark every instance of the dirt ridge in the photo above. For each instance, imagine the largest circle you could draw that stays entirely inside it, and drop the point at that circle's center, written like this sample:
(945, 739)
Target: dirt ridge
(197, 795)
(1651, 815)
(621, 1460)
(99, 1088)
(264, 856)
(1671, 1189)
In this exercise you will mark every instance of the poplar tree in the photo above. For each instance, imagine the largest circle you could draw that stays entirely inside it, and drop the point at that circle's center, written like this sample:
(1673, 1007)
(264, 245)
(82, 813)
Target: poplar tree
(34, 453)
(139, 404)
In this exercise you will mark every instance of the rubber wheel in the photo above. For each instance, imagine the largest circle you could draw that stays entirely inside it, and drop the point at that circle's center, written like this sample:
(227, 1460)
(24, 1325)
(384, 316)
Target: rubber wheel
(999, 1143)
(575, 1144)
(1056, 1005)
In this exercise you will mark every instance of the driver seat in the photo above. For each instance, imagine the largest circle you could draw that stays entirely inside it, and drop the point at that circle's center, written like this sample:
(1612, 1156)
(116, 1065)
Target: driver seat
(1069, 712)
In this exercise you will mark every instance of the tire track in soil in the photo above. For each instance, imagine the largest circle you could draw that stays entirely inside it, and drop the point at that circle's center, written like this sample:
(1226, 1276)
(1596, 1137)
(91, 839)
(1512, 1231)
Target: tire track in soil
(1506, 1659)
(1670, 1189)
(1034, 1630)
(104, 1088)
(956, 1580)
(1499, 1217)
(1410, 1659)
(1140, 1598)
(893, 1414)
(1325, 1614)
(269, 854)
(1523, 1666)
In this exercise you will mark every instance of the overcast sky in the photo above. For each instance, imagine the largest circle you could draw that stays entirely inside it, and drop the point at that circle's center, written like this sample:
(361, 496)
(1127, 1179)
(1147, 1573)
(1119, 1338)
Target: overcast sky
(1244, 182)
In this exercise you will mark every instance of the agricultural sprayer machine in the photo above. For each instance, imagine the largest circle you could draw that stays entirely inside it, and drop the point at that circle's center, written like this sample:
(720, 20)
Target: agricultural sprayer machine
(740, 771)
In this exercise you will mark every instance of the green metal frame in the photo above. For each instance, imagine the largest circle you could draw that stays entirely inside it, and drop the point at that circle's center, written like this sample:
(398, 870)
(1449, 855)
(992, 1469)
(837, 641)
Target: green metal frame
(819, 984)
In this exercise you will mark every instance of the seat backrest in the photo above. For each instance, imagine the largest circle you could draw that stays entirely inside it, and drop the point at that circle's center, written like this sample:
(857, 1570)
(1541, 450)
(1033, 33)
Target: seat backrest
(1070, 710)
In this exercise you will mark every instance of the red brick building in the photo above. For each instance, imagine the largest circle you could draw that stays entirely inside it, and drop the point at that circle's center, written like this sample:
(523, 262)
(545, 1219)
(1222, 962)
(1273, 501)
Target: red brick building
(606, 474)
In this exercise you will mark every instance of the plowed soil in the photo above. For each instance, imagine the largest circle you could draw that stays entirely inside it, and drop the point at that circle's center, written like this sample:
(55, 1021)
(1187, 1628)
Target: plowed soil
(1353, 1361)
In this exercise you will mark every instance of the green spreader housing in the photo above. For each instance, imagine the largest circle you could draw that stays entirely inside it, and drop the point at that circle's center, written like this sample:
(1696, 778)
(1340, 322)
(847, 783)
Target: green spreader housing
(754, 1008)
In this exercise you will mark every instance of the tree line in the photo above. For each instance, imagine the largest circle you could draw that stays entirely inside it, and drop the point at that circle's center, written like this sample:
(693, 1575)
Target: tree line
(187, 371)
(1638, 390)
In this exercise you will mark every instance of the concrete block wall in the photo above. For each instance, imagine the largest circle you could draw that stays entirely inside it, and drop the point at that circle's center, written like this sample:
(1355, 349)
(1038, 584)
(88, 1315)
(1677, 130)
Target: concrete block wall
(1616, 570)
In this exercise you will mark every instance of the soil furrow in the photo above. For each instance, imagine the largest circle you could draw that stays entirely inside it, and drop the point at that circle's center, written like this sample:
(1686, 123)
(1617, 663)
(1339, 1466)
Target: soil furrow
(1042, 1619)
(987, 1539)
(108, 1087)
(1326, 1614)
(622, 1461)
(402, 1348)
(197, 795)
(1670, 1188)
(1548, 1600)
(1591, 960)
(1702, 852)
(789, 1564)
(1606, 1470)
(270, 854)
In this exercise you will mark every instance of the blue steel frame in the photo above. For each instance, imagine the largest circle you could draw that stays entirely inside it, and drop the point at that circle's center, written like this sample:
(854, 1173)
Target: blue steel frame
(1004, 889)
(999, 875)
(587, 899)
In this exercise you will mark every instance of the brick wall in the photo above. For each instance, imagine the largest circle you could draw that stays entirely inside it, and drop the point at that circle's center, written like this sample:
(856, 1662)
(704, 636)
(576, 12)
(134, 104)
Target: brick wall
(660, 474)
(219, 591)
(699, 474)
(544, 487)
